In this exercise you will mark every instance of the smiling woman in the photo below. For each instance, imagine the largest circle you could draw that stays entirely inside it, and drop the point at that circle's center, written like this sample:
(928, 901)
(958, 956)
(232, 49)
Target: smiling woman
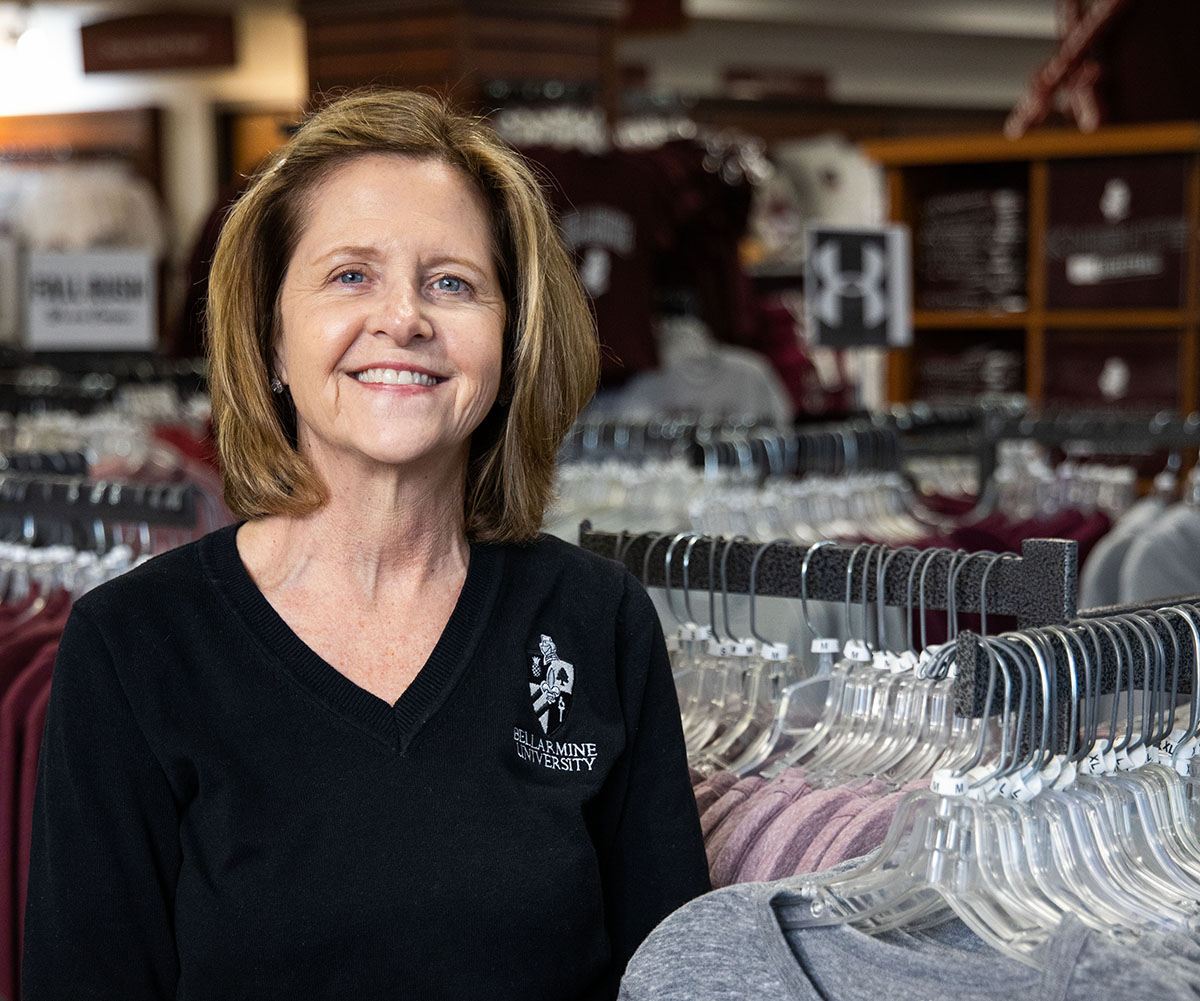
(391, 349)
(382, 738)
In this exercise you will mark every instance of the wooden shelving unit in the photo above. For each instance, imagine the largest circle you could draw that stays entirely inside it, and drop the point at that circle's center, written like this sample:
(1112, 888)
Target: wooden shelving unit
(1170, 330)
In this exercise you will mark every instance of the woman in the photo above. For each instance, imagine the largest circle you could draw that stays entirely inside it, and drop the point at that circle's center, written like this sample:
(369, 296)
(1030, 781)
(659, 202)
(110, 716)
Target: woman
(313, 755)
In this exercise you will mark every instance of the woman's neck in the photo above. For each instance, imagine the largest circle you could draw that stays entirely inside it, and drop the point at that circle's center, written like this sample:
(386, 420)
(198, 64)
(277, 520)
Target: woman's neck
(380, 531)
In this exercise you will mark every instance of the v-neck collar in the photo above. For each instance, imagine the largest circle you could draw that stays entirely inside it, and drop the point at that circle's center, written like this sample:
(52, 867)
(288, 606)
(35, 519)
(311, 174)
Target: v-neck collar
(395, 725)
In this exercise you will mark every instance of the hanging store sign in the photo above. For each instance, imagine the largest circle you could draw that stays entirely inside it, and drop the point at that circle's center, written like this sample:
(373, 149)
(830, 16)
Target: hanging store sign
(856, 286)
(142, 42)
(93, 300)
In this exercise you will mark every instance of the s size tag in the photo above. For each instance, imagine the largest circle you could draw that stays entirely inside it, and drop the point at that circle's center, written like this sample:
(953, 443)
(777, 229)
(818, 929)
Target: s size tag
(774, 651)
(718, 648)
(673, 644)
(826, 645)
(687, 631)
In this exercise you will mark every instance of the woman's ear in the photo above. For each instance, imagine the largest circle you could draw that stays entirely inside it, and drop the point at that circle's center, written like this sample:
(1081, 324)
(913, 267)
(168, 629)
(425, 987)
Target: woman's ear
(279, 365)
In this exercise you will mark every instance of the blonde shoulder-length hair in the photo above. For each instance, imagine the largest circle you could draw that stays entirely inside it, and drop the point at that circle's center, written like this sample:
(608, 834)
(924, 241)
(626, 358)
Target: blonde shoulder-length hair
(550, 351)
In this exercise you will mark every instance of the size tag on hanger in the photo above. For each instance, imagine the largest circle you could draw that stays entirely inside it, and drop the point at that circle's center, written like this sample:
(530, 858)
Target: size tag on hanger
(826, 645)
(719, 648)
(856, 650)
(909, 660)
(946, 782)
(1032, 783)
(745, 647)
(1066, 778)
(1052, 769)
(1099, 762)
(979, 786)
(1009, 787)
(1128, 760)
(674, 645)
(774, 651)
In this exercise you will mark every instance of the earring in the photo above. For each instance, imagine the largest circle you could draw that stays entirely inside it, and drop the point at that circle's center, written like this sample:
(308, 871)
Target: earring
(276, 385)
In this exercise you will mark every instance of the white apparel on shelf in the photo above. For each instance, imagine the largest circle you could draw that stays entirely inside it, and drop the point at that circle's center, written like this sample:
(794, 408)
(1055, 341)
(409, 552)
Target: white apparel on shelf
(833, 180)
(1100, 578)
(84, 206)
(700, 376)
(1164, 561)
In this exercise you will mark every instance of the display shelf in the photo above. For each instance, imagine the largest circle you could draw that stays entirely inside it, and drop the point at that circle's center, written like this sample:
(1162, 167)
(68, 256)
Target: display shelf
(948, 319)
(1077, 239)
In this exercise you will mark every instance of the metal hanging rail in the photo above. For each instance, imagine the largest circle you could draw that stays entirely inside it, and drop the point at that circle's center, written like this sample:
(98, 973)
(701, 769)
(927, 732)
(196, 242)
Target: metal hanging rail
(1038, 587)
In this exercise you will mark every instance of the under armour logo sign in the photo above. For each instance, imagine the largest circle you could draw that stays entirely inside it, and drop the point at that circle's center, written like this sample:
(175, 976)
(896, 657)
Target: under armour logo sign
(836, 284)
(856, 286)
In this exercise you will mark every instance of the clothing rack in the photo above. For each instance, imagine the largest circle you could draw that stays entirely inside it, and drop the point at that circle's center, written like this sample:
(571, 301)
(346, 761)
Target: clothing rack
(1174, 634)
(1039, 587)
(77, 498)
(832, 448)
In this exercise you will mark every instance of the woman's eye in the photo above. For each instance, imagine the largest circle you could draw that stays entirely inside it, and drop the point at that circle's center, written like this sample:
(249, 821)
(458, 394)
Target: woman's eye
(448, 283)
(351, 278)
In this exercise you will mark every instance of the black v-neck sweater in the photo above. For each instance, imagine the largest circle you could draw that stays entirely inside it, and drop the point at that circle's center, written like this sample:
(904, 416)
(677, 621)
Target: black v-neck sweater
(221, 814)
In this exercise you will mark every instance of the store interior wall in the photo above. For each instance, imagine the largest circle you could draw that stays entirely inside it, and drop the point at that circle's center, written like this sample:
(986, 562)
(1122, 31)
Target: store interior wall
(968, 53)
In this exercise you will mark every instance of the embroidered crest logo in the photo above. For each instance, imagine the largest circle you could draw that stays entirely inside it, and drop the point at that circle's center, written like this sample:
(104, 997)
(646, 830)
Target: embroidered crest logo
(551, 684)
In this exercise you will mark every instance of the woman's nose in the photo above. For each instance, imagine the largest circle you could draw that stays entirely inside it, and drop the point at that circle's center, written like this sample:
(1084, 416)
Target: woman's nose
(402, 314)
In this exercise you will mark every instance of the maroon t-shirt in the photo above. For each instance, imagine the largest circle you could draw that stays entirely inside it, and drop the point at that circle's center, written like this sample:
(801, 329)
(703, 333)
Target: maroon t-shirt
(14, 707)
(615, 213)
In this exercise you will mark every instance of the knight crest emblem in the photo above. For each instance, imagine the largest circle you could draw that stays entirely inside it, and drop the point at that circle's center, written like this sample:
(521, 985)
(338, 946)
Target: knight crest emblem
(551, 684)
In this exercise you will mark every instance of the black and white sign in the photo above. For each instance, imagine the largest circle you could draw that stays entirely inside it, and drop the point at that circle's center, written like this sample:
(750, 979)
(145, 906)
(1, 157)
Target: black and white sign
(856, 286)
(91, 300)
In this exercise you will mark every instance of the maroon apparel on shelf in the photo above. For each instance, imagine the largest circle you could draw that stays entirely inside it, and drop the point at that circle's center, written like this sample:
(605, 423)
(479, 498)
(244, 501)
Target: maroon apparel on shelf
(745, 824)
(712, 818)
(615, 213)
(712, 789)
(810, 861)
(782, 844)
(14, 707)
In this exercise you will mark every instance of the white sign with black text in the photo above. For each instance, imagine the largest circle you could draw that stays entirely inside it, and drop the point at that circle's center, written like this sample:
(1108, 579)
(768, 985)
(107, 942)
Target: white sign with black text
(91, 300)
(857, 286)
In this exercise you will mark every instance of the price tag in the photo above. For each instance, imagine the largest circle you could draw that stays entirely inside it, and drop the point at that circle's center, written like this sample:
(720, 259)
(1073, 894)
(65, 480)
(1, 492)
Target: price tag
(946, 782)
(774, 651)
(826, 645)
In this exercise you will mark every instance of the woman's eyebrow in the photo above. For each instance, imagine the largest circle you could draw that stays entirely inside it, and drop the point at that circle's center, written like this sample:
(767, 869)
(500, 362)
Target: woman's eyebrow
(351, 250)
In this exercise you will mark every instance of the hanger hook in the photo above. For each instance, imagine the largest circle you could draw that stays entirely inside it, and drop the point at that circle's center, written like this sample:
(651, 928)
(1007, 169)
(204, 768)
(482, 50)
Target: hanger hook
(754, 581)
(725, 582)
(804, 583)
